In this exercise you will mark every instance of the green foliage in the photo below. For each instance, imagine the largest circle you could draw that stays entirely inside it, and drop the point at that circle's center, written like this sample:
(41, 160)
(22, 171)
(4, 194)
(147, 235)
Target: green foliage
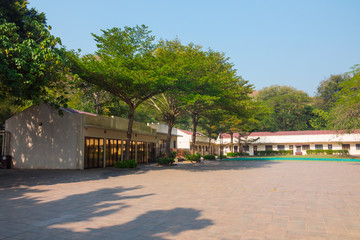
(236, 154)
(346, 113)
(165, 161)
(327, 152)
(288, 109)
(32, 66)
(320, 119)
(326, 95)
(209, 157)
(222, 156)
(126, 164)
(126, 66)
(173, 154)
(274, 152)
(193, 157)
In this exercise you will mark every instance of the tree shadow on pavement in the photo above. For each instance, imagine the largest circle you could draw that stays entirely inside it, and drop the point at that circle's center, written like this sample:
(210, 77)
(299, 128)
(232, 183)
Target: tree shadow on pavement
(36, 214)
(15, 177)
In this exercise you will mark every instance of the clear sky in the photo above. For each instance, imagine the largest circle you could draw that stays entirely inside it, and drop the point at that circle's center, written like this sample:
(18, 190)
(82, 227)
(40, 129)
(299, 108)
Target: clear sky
(296, 43)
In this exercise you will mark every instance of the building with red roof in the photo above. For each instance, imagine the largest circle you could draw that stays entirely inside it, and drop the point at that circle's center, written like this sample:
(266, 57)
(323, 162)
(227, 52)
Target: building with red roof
(296, 141)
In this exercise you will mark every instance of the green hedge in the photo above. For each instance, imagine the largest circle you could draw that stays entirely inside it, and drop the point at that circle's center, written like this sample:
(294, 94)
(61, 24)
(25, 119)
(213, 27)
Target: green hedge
(165, 161)
(273, 152)
(126, 164)
(236, 154)
(209, 157)
(193, 157)
(327, 152)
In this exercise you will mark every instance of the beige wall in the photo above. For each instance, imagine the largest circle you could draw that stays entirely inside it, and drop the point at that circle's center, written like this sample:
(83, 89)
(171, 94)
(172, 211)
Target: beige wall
(42, 139)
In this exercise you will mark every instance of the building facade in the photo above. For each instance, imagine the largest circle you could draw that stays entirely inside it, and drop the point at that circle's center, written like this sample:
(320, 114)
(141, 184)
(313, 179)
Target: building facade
(40, 138)
(297, 141)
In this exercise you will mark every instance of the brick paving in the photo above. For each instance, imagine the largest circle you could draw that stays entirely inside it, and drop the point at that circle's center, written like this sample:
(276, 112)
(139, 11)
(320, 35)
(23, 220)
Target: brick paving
(212, 200)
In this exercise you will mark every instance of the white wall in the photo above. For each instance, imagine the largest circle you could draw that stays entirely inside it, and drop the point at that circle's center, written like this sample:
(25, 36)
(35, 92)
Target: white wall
(41, 138)
(183, 140)
(335, 139)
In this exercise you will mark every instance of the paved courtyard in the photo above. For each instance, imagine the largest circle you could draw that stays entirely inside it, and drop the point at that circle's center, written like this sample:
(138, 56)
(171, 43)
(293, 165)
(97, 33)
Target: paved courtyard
(213, 200)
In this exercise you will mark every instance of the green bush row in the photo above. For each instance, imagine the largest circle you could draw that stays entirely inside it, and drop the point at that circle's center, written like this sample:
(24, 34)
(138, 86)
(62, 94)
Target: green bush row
(165, 161)
(327, 152)
(193, 157)
(236, 154)
(273, 152)
(209, 157)
(126, 164)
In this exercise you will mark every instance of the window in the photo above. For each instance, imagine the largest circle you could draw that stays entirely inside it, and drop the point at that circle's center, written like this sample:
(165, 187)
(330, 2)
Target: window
(357, 146)
(255, 148)
(113, 151)
(330, 146)
(318, 146)
(94, 152)
(346, 146)
(141, 152)
(246, 148)
(280, 147)
(305, 147)
(291, 147)
(235, 148)
(174, 143)
(268, 147)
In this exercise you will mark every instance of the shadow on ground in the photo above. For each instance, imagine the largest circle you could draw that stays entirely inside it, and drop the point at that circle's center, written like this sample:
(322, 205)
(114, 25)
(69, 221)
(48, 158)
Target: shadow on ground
(90, 215)
(15, 177)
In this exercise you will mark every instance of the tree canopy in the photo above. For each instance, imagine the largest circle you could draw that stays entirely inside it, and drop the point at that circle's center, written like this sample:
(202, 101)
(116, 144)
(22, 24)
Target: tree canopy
(345, 115)
(125, 66)
(32, 61)
(289, 109)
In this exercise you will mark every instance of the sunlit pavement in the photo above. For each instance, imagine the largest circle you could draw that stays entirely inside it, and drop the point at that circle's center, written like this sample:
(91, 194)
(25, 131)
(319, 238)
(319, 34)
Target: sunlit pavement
(212, 200)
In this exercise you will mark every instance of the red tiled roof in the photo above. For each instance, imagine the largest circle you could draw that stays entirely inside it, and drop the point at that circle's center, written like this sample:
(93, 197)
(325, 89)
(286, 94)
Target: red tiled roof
(189, 133)
(287, 133)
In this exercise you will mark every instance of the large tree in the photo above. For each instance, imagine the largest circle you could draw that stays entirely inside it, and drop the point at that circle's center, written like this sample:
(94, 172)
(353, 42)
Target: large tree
(32, 61)
(213, 84)
(126, 66)
(346, 112)
(289, 109)
(326, 95)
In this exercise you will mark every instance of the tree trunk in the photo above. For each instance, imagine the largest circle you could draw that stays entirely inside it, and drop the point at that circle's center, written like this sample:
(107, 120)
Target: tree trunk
(131, 116)
(239, 143)
(168, 140)
(195, 123)
(210, 152)
(232, 142)
(96, 103)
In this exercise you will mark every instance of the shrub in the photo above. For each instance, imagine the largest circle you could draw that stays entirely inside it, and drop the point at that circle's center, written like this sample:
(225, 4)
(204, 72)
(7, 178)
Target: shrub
(273, 152)
(126, 164)
(222, 156)
(173, 154)
(232, 154)
(327, 152)
(165, 161)
(193, 157)
(209, 157)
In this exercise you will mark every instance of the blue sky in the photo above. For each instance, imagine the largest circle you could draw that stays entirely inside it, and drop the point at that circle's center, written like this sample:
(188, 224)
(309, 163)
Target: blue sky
(296, 43)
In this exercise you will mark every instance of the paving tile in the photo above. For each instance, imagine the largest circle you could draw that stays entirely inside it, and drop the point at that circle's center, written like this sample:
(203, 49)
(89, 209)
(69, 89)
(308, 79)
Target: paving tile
(212, 200)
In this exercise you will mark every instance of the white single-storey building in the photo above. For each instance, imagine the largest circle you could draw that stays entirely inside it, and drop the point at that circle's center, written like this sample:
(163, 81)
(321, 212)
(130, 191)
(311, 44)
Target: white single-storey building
(40, 138)
(297, 141)
(204, 145)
